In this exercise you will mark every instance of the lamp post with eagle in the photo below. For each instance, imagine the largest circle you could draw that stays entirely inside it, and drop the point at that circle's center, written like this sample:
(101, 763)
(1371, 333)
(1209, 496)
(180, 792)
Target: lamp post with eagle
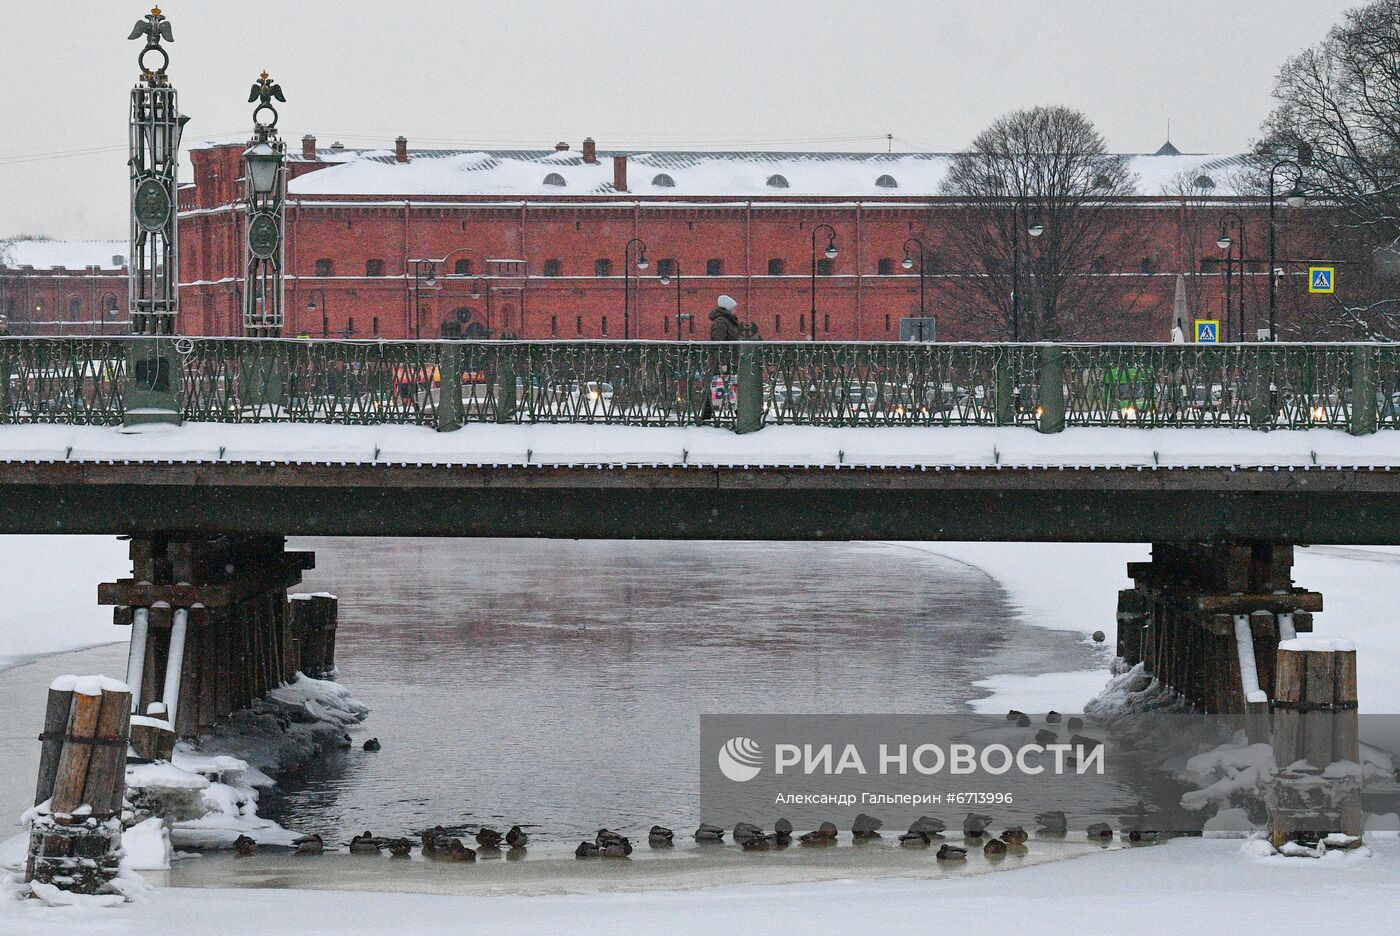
(264, 185)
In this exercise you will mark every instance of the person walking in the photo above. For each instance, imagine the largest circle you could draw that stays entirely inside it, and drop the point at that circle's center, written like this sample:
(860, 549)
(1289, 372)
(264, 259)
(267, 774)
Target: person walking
(724, 326)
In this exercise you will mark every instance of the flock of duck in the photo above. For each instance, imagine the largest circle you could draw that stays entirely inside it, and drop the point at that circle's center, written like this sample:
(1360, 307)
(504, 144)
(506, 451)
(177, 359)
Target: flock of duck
(438, 844)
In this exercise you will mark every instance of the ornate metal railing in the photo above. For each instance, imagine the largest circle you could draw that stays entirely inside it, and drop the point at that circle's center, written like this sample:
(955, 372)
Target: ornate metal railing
(742, 385)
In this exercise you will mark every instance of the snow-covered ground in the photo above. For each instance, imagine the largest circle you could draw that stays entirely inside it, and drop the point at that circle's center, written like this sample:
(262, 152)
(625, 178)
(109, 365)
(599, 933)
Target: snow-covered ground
(567, 444)
(1184, 887)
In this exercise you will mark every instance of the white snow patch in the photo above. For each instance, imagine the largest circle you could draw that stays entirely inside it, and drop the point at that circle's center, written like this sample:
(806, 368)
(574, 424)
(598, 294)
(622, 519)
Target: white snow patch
(147, 846)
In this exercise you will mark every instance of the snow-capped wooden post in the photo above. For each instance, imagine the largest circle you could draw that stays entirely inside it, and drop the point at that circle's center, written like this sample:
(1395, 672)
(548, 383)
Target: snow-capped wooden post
(1317, 790)
(75, 828)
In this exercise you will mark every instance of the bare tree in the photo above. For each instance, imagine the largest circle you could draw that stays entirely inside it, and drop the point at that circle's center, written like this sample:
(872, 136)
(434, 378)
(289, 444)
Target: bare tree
(1043, 170)
(1342, 98)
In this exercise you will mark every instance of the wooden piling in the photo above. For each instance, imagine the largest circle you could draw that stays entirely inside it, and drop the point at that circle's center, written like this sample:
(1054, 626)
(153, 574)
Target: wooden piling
(55, 727)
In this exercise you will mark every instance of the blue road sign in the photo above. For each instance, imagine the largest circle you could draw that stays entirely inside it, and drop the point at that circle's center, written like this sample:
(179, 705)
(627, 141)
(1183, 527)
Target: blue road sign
(1322, 279)
(1207, 331)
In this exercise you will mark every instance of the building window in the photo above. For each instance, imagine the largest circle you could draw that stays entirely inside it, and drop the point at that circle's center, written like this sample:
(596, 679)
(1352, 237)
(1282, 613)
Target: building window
(662, 180)
(463, 315)
(578, 325)
(825, 265)
(666, 266)
(714, 267)
(109, 305)
(374, 323)
(777, 181)
(1149, 266)
(602, 267)
(802, 324)
(324, 267)
(886, 181)
(777, 324)
(887, 322)
(462, 267)
(775, 267)
(75, 309)
(551, 268)
(554, 178)
(826, 322)
(374, 268)
(692, 324)
(554, 326)
(666, 324)
(350, 325)
(605, 326)
(886, 266)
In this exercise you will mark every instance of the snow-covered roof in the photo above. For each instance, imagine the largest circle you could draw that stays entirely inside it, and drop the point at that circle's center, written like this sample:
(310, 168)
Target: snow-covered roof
(65, 254)
(679, 174)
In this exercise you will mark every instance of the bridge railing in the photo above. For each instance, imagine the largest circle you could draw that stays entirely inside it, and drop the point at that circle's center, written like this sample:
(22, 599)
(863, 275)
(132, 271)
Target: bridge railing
(742, 385)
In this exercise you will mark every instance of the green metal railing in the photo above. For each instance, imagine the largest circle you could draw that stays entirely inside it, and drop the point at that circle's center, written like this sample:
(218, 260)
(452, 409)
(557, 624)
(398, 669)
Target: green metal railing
(741, 385)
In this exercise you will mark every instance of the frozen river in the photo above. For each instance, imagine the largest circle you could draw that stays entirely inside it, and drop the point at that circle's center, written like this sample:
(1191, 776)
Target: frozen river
(559, 684)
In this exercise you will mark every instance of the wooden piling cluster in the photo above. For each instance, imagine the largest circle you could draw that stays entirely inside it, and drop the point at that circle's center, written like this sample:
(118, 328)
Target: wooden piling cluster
(1199, 612)
(1315, 727)
(221, 603)
(75, 842)
(312, 626)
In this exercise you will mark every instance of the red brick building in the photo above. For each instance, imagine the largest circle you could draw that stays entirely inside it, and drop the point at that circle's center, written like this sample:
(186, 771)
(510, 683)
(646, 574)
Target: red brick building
(531, 243)
(52, 287)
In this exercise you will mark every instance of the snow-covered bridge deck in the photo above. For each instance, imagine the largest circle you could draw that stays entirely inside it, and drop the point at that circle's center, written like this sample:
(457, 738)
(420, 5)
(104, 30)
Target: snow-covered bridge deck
(1005, 483)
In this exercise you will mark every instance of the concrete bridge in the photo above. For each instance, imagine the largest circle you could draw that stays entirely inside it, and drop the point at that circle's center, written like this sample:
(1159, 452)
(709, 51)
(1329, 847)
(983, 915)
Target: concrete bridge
(209, 453)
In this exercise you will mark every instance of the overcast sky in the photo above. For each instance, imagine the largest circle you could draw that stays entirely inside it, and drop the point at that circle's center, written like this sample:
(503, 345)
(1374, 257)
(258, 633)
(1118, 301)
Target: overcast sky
(762, 74)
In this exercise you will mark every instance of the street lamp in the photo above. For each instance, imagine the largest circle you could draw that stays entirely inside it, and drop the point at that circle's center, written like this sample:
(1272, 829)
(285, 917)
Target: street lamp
(908, 264)
(1226, 243)
(424, 271)
(311, 306)
(264, 176)
(1034, 229)
(665, 280)
(1296, 199)
(642, 264)
(830, 254)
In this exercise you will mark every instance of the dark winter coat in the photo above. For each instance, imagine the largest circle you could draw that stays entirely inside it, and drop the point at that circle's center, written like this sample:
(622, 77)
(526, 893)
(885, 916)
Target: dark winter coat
(724, 325)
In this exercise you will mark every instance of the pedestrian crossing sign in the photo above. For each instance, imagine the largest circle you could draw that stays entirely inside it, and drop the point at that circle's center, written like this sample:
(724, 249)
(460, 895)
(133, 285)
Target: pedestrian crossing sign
(1322, 279)
(1207, 331)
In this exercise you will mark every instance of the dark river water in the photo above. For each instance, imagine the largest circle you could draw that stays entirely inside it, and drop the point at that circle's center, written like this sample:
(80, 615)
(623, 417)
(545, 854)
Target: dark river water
(559, 684)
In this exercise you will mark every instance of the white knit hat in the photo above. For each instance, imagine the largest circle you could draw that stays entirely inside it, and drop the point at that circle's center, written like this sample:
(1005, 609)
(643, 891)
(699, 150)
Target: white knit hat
(725, 302)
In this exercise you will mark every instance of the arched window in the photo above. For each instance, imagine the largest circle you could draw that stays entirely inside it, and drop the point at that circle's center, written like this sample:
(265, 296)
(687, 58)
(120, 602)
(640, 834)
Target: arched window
(462, 267)
(551, 268)
(75, 309)
(886, 181)
(555, 178)
(662, 180)
(777, 181)
(324, 267)
(109, 304)
(374, 268)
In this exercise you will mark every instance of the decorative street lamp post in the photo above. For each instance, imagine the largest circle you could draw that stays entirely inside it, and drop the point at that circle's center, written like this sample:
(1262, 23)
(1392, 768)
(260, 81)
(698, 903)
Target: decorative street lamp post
(642, 264)
(1226, 243)
(665, 281)
(424, 271)
(479, 288)
(1296, 199)
(155, 125)
(830, 254)
(908, 264)
(311, 306)
(264, 184)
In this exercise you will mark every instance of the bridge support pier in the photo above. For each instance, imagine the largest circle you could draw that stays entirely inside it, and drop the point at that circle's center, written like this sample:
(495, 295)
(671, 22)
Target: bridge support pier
(210, 630)
(1219, 624)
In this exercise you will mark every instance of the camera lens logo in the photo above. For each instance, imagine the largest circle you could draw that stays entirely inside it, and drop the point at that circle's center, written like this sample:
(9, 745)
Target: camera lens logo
(740, 759)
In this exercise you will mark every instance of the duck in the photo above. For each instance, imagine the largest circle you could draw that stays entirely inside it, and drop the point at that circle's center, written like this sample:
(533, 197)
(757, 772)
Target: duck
(758, 842)
(709, 833)
(995, 848)
(488, 837)
(1144, 837)
(975, 825)
(1100, 831)
(516, 837)
(782, 833)
(915, 838)
(1014, 835)
(243, 846)
(612, 844)
(456, 851)
(1021, 719)
(400, 848)
(929, 825)
(660, 837)
(1052, 717)
(587, 850)
(1075, 723)
(865, 827)
(1099, 637)
(365, 844)
(372, 745)
(745, 832)
(310, 845)
(1045, 737)
(947, 852)
(1052, 823)
(822, 835)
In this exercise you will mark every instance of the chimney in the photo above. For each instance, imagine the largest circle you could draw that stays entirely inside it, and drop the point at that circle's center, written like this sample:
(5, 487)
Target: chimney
(620, 173)
(590, 152)
(308, 147)
(561, 147)
(401, 150)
